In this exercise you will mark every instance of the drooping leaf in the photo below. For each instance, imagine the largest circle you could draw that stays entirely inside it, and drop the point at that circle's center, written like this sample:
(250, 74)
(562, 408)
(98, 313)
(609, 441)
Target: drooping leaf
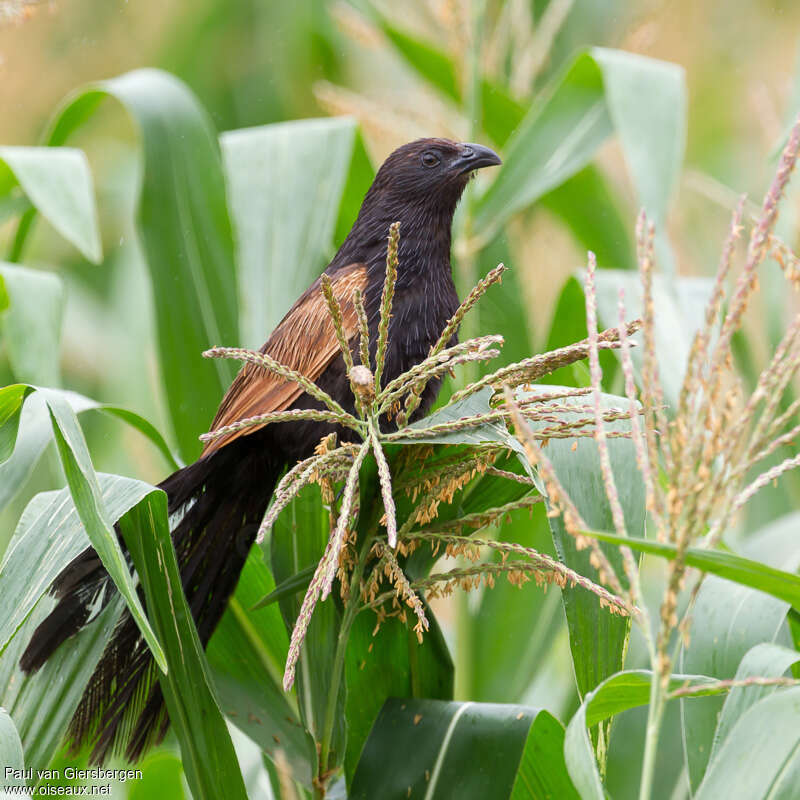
(185, 232)
(20, 454)
(58, 183)
(49, 534)
(86, 495)
(209, 759)
(31, 326)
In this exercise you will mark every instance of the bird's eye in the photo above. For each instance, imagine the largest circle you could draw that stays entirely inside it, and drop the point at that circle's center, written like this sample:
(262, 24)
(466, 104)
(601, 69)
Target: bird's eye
(429, 159)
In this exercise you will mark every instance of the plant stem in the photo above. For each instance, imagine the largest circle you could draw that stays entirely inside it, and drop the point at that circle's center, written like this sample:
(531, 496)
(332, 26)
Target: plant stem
(654, 718)
(350, 612)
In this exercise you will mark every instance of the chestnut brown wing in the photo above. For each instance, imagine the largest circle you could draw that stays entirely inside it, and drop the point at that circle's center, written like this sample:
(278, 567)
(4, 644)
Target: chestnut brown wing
(304, 340)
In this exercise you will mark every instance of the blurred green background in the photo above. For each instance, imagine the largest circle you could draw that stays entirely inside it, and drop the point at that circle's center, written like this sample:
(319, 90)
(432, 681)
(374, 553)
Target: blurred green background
(252, 63)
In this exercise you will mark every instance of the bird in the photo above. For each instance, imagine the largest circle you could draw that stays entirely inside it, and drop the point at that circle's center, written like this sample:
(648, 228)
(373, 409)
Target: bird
(219, 500)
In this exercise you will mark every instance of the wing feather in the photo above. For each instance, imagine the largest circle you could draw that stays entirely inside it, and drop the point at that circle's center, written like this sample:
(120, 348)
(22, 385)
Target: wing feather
(304, 340)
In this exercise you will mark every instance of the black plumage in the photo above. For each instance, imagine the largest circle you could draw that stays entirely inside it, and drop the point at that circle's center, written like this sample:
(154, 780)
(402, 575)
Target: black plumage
(220, 499)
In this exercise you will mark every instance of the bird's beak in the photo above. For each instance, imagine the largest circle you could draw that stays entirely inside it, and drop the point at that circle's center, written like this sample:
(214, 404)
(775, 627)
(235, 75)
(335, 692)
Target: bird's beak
(474, 156)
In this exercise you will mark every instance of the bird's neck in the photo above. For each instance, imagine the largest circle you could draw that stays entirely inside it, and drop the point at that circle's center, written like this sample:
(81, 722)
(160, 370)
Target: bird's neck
(425, 240)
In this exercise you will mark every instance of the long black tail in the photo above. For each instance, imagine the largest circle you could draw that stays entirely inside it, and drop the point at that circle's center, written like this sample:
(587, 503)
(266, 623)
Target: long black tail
(222, 499)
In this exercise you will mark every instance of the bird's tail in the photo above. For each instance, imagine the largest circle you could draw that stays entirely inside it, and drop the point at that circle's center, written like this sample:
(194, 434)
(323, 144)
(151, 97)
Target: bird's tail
(222, 499)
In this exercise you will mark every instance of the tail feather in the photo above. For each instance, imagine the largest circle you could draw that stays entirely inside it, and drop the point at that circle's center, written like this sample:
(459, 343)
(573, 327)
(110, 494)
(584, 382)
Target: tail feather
(223, 498)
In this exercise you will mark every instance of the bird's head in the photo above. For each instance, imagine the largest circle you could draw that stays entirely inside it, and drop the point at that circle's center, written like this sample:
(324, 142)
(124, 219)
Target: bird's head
(432, 170)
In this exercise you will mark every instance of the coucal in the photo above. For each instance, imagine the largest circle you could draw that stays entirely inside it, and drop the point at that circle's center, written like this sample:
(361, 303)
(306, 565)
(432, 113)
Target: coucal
(224, 494)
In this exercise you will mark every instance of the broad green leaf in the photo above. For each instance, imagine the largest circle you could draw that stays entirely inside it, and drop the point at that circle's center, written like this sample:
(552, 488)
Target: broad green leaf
(186, 236)
(781, 585)
(647, 103)
(617, 693)
(429, 749)
(20, 454)
(12, 759)
(285, 183)
(542, 771)
(602, 91)
(48, 536)
(765, 660)
(58, 183)
(31, 326)
(85, 491)
(558, 136)
(206, 748)
(760, 757)
(598, 639)
(681, 304)
(388, 663)
(246, 655)
(298, 540)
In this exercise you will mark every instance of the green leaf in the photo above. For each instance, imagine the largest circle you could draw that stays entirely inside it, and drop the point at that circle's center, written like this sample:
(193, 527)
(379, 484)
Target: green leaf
(390, 662)
(88, 500)
(681, 304)
(429, 749)
(602, 91)
(49, 534)
(729, 620)
(206, 748)
(543, 771)
(647, 103)
(431, 63)
(586, 204)
(11, 401)
(294, 584)
(782, 585)
(31, 326)
(11, 756)
(58, 182)
(186, 236)
(765, 660)
(558, 136)
(598, 639)
(761, 756)
(501, 112)
(19, 455)
(299, 537)
(285, 184)
(617, 693)
(246, 655)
